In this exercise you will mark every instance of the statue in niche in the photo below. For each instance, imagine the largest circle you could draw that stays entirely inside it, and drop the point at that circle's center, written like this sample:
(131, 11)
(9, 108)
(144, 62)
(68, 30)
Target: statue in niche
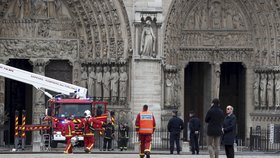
(114, 84)
(169, 87)
(27, 8)
(176, 86)
(123, 84)
(148, 38)
(217, 70)
(106, 83)
(270, 90)
(236, 21)
(18, 8)
(91, 81)
(256, 89)
(263, 83)
(40, 8)
(98, 82)
(196, 18)
(203, 18)
(215, 14)
(40, 96)
(84, 77)
(277, 90)
(228, 18)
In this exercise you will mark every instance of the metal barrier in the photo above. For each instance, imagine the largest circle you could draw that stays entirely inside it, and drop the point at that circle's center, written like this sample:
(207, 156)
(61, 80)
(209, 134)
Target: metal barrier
(160, 140)
(260, 140)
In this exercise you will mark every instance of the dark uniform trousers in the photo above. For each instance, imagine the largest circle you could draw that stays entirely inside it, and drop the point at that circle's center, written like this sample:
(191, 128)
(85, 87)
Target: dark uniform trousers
(174, 137)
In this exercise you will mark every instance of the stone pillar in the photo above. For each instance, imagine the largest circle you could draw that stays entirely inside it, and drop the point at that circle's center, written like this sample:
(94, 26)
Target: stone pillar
(3, 114)
(38, 107)
(216, 73)
(249, 97)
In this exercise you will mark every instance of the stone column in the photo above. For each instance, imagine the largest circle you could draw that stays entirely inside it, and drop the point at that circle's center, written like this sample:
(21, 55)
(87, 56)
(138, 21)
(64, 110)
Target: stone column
(38, 106)
(3, 114)
(216, 73)
(249, 97)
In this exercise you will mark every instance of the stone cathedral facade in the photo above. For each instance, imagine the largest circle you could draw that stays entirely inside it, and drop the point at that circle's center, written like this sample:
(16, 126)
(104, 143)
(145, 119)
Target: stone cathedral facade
(169, 54)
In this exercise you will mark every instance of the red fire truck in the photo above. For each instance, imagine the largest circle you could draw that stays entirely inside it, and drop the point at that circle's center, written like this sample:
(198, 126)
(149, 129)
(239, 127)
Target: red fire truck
(71, 101)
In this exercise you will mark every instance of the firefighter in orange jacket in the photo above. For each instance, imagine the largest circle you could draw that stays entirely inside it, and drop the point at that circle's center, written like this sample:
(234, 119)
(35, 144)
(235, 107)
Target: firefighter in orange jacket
(145, 126)
(88, 124)
(69, 132)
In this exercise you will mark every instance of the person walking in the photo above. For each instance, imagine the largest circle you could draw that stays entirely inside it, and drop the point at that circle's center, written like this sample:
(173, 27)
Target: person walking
(145, 125)
(68, 132)
(124, 135)
(229, 132)
(214, 118)
(194, 126)
(175, 126)
(88, 125)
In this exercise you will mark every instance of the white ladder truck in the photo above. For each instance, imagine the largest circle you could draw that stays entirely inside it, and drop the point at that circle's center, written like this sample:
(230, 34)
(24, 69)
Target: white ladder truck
(57, 107)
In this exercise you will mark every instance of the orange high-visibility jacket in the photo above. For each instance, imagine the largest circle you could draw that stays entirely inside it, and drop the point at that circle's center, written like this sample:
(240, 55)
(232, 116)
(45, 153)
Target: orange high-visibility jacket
(145, 122)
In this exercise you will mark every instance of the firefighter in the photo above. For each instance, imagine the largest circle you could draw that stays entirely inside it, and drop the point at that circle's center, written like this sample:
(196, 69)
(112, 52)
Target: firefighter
(68, 132)
(109, 135)
(88, 124)
(145, 126)
(124, 129)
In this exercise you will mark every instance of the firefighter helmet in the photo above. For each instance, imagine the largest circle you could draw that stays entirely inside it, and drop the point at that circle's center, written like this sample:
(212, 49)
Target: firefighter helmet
(87, 113)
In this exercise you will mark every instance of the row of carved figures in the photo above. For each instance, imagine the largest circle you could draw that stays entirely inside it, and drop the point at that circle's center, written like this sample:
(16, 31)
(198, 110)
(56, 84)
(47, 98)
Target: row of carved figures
(267, 90)
(105, 82)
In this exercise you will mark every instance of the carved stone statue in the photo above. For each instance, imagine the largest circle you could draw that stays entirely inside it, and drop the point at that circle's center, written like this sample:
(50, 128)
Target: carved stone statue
(40, 8)
(270, 90)
(147, 47)
(106, 83)
(168, 89)
(217, 70)
(114, 84)
(215, 14)
(277, 89)
(256, 87)
(98, 82)
(123, 83)
(263, 90)
(84, 77)
(177, 87)
(91, 81)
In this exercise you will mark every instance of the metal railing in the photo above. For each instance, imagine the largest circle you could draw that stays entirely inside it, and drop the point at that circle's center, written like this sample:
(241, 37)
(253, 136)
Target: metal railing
(160, 140)
(260, 141)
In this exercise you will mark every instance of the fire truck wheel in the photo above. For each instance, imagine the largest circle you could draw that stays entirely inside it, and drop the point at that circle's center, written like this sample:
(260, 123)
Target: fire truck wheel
(53, 144)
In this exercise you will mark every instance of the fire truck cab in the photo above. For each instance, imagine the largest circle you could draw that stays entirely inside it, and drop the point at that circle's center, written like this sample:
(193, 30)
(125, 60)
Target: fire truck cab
(61, 108)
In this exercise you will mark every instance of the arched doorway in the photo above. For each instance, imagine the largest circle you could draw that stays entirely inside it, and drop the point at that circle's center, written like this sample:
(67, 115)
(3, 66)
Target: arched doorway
(197, 92)
(18, 96)
(232, 92)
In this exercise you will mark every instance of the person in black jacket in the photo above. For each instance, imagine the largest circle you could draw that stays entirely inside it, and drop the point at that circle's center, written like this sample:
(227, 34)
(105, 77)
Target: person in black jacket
(175, 126)
(214, 118)
(194, 126)
(124, 135)
(229, 130)
(108, 136)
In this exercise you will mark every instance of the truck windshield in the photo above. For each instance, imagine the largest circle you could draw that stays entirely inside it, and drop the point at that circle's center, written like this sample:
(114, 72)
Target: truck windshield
(66, 110)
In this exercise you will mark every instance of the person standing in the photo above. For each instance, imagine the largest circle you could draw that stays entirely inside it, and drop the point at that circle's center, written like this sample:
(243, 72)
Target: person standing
(68, 132)
(214, 118)
(145, 126)
(124, 135)
(194, 126)
(229, 132)
(108, 136)
(175, 126)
